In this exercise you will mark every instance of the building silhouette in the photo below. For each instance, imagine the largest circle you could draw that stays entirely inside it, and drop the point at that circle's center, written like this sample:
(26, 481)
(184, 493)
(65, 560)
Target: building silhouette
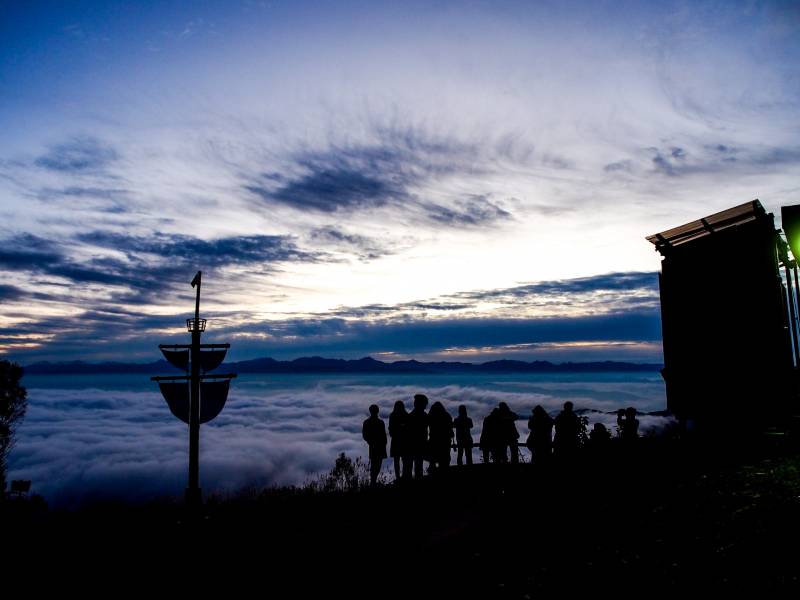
(727, 319)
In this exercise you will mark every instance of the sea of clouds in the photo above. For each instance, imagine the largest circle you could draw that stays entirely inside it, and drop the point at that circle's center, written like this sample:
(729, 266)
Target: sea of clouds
(87, 439)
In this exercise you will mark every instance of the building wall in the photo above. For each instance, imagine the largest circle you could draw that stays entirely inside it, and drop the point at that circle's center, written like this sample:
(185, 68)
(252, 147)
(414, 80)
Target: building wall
(727, 350)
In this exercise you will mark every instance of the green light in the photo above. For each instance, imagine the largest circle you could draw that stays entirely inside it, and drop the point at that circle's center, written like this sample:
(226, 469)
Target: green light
(790, 219)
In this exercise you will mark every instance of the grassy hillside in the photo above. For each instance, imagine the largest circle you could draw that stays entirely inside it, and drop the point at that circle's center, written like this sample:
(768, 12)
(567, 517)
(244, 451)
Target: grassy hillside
(656, 517)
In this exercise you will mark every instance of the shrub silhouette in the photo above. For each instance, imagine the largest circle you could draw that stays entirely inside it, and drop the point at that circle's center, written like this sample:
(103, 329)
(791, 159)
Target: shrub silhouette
(347, 475)
(342, 477)
(583, 430)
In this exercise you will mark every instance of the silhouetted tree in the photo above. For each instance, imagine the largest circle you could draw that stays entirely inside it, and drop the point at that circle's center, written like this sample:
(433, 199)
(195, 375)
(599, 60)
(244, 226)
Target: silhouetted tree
(583, 430)
(13, 403)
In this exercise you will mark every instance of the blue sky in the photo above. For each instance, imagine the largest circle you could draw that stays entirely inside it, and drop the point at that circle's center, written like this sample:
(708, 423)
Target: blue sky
(470, 180)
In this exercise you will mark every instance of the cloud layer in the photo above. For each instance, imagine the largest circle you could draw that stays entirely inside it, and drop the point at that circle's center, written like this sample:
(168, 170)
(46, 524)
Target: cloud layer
(90, 439)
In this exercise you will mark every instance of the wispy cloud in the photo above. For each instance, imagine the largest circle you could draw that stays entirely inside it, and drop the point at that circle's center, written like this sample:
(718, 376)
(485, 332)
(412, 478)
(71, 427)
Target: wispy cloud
(396, 171)
(27, 251)
(78, 155)
(700, 159)
(102, 199)
(148, 260)
(475, 211)
(669, 163)
(10, 292)
(366, 248)
(340, 337)
(611, 292)
(240, 250)
(619, 283)
(113, 293)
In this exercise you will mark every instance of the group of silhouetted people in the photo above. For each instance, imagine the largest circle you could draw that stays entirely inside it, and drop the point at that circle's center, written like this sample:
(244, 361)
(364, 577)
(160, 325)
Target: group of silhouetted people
(418, 436)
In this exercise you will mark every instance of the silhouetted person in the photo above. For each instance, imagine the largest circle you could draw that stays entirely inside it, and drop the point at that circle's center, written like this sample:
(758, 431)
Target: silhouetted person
(441, 436)
(488, 439)
(507, 432)
(463, 426)
(540, 439)
(397, 430)
(374, 433)
(599, 436)
(417, 438)
(630, 425)
(599, 445)
(567, 427)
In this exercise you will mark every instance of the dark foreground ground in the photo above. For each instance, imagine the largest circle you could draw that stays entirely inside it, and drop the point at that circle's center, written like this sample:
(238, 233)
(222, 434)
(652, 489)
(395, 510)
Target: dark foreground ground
(654, 519)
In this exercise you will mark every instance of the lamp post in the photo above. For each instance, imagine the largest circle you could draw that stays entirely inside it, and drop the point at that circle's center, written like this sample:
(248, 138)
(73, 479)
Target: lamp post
(196, 397)
(196, 327)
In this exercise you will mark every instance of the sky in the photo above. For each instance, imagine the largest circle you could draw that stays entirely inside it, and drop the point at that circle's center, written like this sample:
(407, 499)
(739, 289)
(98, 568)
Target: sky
(450, 180)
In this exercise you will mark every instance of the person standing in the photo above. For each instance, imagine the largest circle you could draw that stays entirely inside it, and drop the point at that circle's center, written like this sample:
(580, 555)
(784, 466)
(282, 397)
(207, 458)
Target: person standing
(507, 430)
(567, 439)
(441, 436)
(374, 433)
(489, 435)
(599, 437)
(397, 430)
(417, 437)
(540, 439)
(463, 425)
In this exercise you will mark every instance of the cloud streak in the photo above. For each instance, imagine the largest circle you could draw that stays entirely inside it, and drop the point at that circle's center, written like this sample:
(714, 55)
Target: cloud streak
(78, 155)
(396, 171)
(149, 264)
(525, 321)
(339, 337)
(611, 292)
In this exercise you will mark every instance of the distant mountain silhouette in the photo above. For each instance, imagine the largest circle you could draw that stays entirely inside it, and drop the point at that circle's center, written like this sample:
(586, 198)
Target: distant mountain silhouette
(318, 364)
